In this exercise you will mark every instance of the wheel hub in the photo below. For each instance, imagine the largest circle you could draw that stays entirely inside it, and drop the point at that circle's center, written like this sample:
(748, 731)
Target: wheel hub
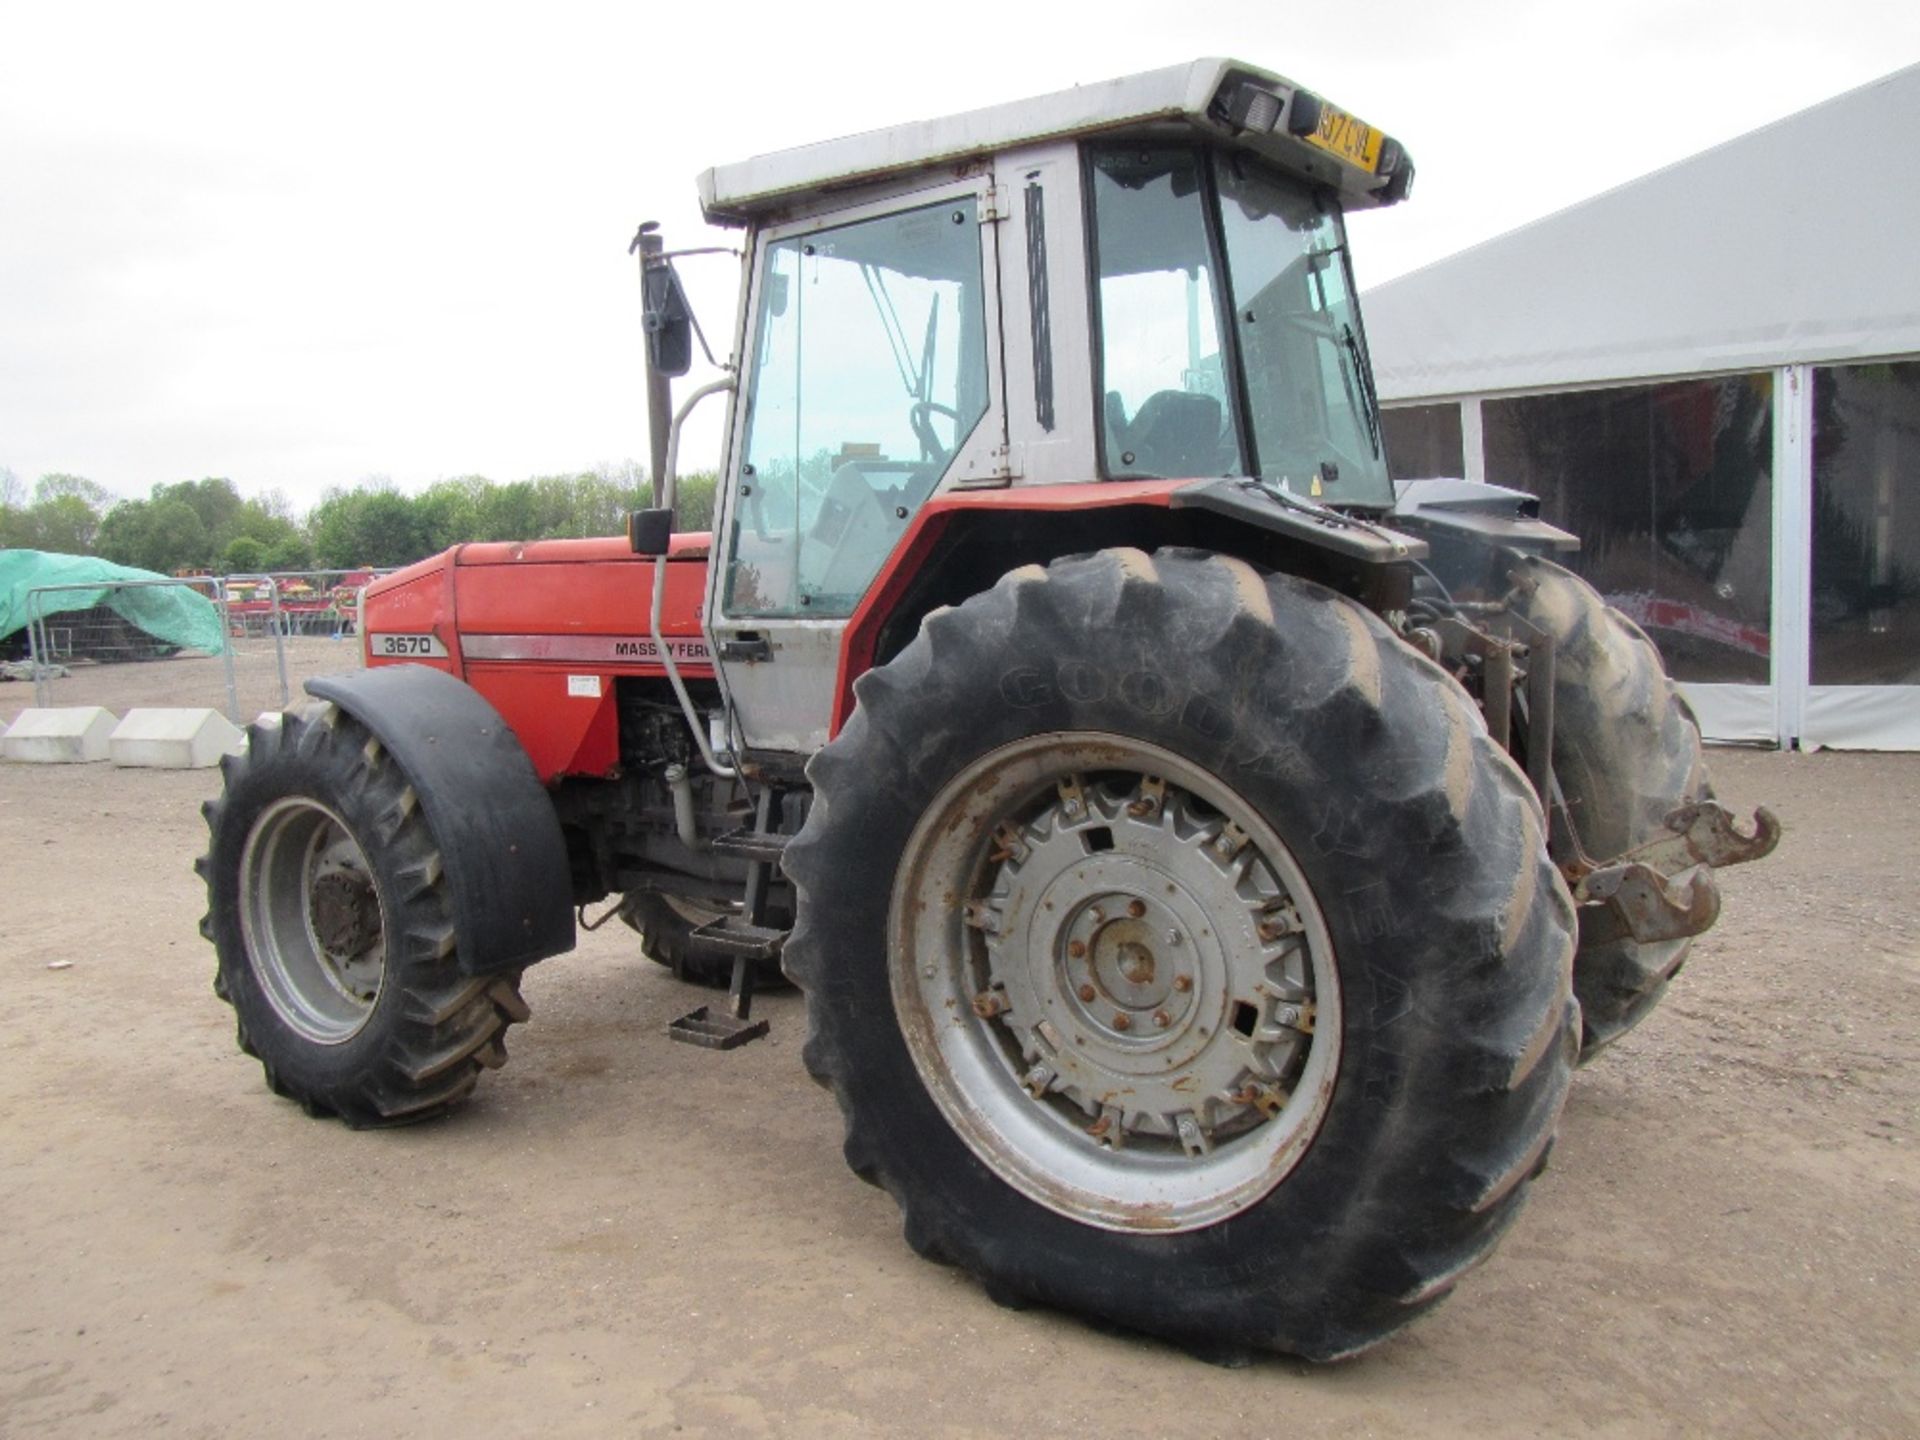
(311, 918)
(1103, 928)
(345, 914)
(1120, 1018)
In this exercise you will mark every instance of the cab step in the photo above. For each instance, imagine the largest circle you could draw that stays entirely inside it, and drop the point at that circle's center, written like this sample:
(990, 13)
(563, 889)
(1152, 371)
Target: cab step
(714, 1029)
(757, 845)
(737, 937)
(742, 936)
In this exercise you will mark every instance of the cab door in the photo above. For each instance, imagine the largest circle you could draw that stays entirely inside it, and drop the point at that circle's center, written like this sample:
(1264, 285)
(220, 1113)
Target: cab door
(871, 381)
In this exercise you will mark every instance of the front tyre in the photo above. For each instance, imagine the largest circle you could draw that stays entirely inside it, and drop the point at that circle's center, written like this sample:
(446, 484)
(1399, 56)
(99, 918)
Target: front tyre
(328, 912)
(1182, 952)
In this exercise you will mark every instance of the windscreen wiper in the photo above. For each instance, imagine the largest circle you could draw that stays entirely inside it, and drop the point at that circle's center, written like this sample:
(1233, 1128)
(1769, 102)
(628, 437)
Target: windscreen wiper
(1371, 405)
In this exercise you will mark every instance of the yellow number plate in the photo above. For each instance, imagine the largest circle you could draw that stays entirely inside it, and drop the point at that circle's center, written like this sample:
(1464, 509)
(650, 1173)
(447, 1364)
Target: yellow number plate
(1351, 140)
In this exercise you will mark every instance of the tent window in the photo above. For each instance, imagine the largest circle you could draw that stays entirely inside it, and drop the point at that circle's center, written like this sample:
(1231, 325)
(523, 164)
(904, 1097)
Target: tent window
(1866, 524)
(1424, 442)
(1670, 489)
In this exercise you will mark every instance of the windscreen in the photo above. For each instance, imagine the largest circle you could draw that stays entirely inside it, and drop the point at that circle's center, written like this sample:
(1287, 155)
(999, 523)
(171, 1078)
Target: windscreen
(1230, 343)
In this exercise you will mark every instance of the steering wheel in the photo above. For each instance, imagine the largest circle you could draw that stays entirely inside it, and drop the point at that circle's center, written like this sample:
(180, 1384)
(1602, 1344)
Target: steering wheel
(921, 418)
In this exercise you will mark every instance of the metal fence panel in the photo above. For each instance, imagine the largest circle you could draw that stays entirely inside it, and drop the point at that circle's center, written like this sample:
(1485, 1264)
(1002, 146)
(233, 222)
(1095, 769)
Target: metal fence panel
(275, 631)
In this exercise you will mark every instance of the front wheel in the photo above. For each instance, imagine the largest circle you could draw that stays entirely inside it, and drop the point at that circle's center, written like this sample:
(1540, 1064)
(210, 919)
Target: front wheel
(328, 911)
(1182, 952)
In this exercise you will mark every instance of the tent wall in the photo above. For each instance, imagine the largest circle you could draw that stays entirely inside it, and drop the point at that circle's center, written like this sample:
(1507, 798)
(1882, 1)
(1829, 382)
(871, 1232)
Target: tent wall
(1790, 244)
(1763, 527)
(1713, 375)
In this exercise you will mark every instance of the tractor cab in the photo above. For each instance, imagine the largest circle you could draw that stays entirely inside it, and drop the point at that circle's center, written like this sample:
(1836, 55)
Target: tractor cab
(915, 328)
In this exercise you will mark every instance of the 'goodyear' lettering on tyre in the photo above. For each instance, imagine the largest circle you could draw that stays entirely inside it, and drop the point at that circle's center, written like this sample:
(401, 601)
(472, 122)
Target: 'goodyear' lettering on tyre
(1030, 687)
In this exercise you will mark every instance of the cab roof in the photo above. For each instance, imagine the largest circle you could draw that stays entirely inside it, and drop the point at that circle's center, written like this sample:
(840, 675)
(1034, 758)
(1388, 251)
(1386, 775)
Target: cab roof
(1228, 100)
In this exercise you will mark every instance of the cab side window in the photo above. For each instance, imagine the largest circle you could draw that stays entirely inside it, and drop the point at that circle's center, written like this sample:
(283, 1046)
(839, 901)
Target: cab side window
(870, 370)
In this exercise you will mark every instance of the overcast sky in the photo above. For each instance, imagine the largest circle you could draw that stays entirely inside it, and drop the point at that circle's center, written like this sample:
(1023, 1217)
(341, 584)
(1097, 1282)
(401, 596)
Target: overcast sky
(301, 246)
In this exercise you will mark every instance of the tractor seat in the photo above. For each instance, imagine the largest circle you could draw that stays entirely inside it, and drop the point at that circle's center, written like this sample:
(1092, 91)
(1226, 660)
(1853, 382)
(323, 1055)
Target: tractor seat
(1176, 433)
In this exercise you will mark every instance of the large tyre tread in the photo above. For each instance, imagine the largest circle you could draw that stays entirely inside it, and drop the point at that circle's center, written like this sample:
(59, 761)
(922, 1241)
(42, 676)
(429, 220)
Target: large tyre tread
(1499, 1026)
(1627, 752)
(434, 1028)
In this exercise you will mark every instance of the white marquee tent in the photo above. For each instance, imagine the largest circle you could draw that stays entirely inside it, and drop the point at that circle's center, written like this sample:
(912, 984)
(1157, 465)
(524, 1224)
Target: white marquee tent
(1713, 373)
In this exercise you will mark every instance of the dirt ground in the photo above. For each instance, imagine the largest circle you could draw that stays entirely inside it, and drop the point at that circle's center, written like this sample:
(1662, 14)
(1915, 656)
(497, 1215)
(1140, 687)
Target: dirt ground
(626, 1236)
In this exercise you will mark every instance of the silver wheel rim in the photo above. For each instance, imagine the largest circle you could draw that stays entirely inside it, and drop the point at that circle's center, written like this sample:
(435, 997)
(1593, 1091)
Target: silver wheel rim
(1115, 982)
(312, 919)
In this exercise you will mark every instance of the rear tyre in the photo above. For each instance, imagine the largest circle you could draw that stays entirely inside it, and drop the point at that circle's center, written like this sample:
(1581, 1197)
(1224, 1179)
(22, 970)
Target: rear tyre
(328, 912)
(1626, 752)
(666, 924)
(1182, 952)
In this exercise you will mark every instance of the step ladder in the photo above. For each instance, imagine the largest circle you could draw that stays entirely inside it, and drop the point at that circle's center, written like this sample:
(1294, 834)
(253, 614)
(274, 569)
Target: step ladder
(746, 936)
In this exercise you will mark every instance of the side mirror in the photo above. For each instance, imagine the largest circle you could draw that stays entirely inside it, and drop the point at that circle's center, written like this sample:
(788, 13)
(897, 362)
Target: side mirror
(667, 320)
(650, 532)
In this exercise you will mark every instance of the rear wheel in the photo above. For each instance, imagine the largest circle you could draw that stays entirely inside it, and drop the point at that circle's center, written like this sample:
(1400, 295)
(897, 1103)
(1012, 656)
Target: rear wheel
(1182, 952)
(1626, 752)
(328, 912)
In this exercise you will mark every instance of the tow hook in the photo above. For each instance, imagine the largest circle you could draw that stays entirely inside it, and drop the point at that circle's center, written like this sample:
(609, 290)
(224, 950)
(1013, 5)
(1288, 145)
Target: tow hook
(1665, 889)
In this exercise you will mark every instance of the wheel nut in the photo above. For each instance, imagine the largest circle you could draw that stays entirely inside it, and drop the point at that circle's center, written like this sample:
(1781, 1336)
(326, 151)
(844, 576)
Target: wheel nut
(1173, 937)
(1087, 993)
(1160, 1018)
(1121, 1022)
(1077, 949)
(1183, 982)
(1136, 908)
(1097, 915)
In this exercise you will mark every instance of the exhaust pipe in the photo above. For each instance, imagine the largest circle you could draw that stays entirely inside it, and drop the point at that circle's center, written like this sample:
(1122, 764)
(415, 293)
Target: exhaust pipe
(681, 783)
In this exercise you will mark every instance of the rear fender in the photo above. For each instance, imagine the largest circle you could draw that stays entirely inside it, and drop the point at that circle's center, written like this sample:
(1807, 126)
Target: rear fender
(1490, 514)
(962, 541)
(494, 824)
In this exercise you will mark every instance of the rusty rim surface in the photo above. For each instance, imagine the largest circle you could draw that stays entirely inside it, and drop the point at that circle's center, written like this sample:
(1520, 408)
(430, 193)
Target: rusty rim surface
(312, 920)
(1115, 982)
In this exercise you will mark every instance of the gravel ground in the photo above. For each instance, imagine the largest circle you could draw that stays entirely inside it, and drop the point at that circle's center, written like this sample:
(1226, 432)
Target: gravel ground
(626, 1236)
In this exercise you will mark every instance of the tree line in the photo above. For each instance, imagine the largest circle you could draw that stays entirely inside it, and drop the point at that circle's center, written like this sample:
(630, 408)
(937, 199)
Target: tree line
(195, 525)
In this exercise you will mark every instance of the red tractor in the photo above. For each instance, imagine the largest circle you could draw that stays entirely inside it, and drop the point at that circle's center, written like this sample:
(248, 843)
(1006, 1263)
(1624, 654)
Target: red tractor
(1204, 861)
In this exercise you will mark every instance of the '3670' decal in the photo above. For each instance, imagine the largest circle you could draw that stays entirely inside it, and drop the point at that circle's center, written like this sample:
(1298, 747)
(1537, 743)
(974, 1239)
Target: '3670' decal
(395, 646)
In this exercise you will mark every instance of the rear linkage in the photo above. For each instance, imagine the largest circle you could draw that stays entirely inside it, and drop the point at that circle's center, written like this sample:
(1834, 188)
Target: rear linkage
(1662, 889)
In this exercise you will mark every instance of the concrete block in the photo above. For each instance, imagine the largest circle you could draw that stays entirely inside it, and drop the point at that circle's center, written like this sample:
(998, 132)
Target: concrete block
(189, 739)
(66, 735)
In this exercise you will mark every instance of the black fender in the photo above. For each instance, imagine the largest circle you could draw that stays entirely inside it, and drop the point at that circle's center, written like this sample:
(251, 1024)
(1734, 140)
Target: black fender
(492, 820)
(1265, 507)
(1472, 509)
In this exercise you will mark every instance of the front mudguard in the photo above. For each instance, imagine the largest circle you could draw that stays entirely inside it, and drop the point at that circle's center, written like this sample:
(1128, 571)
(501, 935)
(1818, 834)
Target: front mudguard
(491, 818)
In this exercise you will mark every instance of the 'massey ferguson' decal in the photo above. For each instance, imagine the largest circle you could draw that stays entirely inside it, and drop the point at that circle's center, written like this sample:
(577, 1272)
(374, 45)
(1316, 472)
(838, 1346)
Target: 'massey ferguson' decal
(394, 646)
(609, 649)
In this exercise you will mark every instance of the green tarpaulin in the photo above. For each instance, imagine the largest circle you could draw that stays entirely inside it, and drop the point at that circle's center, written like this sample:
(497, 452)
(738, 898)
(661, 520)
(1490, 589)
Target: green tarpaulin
(176, 614)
